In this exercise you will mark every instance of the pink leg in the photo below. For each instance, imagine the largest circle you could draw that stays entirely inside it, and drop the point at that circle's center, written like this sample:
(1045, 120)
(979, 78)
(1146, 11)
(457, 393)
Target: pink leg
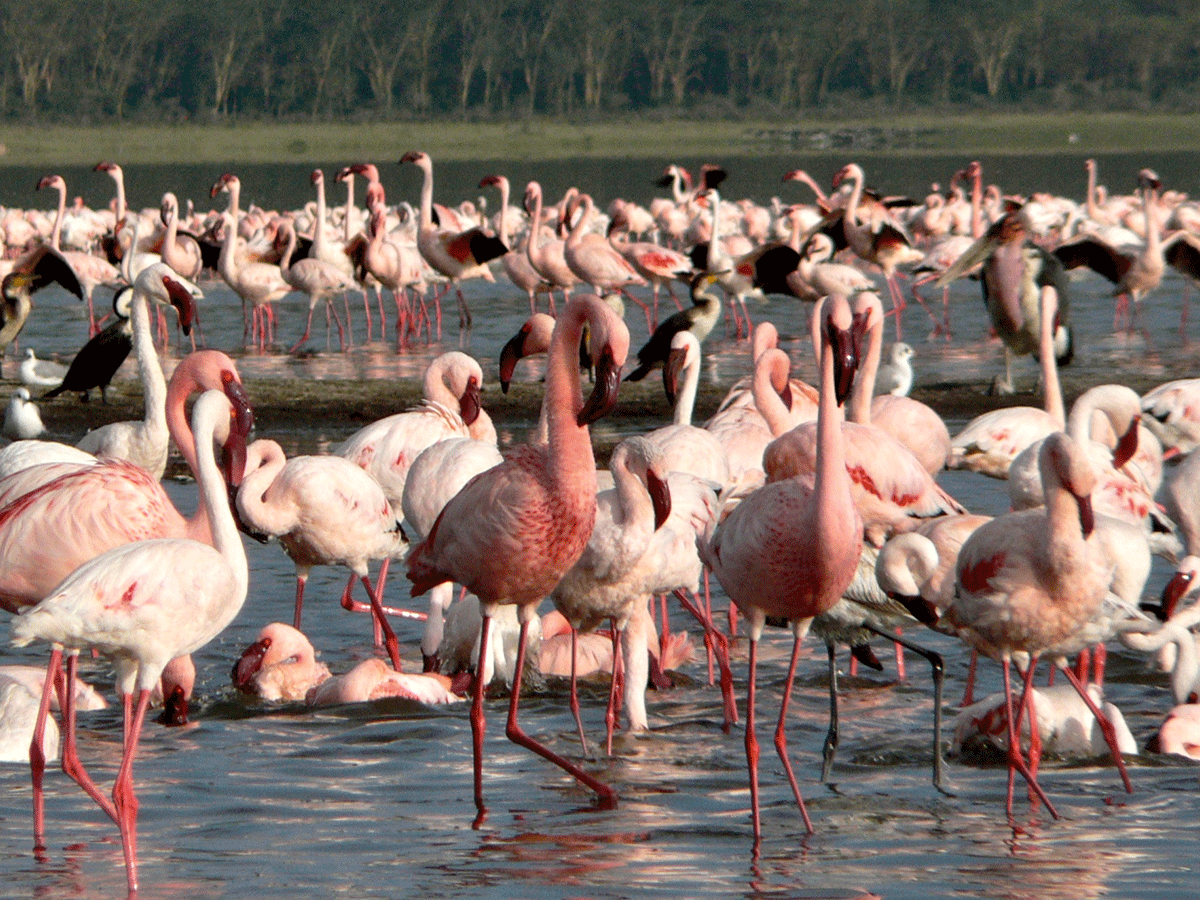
(664, 633)
(37, 754)
(610, 715)
(752, 752)
(123, 796)
(1106, 727)
(301, 580)
(1099, 660)
(781, 734)
(969, 693)
(478, 723)
(606, 795)
(1015, 761)
(722, 656)
(71, 763)
(901, 673)
(389, 636)
(307, 330)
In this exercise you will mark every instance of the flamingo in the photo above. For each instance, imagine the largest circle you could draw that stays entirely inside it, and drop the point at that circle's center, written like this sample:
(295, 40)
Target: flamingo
(513, 531)
(547, 257)
(594, 260)
(659, 265)
(145, 443)
(458, 255)
(88, 269)
(386, 448)
(1028, 582)
(180, 251)
(517, 267)
(766, 575)
(324, 510)
(316, 278)
(280, 665)
(142, 605)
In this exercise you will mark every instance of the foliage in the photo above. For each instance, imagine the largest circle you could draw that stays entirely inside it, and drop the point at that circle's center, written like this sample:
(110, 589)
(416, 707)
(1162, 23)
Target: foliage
(165, 60)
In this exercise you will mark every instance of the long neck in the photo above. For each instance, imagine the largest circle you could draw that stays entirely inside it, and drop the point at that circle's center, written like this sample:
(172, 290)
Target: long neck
(859, 408)
(977, 205)
(56, 234)
(535, 229)
(319, 228)
(154, 385)
(685, 401)
(570, 444)
(504, 211)
(427, 197)
(347, 225)
(215, 502)
(227, 262)
(1091, 192)
(285, 261)
(265, 459)
(1050, 385)
(832, 481)
(119, 178)
(855, 197)
(772, 367)
(435, 387)
(1150, 215)
(172, 225)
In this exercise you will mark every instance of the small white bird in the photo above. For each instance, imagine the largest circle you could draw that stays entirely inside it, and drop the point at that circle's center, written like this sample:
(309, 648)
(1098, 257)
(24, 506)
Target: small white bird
(36, 372)
(895, 376)
(22, 420)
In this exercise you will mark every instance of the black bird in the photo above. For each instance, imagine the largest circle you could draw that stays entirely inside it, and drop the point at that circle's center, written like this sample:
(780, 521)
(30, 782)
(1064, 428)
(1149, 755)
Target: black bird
(99, 359)
(32, 272)
(698, 319)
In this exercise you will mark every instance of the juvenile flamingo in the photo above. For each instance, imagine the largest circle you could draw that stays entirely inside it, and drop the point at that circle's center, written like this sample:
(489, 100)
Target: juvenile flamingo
(512, 532)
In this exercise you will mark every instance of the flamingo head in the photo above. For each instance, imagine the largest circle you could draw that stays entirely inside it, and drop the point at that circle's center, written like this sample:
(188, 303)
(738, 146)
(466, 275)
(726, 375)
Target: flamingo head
(1062, 460)
(250, 663)
(1148, 180)
(180, 297)
(168, 208)
(1128, 444)
(491, 181)
(660, 496)
(840, 337)
(608, 381)
(241, 423)
(48, 181)
(224, 183)
(468, 401)
(417, 157)
(108, 168)
(533, 338)
(848, 171)
(317, 177)
(1178, 587)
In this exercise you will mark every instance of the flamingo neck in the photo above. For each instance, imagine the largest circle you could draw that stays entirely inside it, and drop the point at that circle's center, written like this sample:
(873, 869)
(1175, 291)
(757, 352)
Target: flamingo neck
(977, 228)
(265, 459)
(1150, 215)
(569, 443)
(773, 367)
(215, 503)
(56, 234)
(836, 515)
(859, 408)
(319, 228)
(504, 211)
(685, 401)
(427, 197)
(347, 226)
(154, 385)
(1050, 384)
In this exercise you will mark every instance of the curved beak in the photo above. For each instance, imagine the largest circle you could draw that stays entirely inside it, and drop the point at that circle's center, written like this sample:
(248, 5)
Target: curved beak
(660, 497)
(920, 608)
(1176, 589)
(1127, 445)
(174, 709)
(181, 299)
(604, 395)
(513, 351)
(845, 360)
(468, 403)
(249, 664)
(1087, 519)
(672, 371)
(242, 414)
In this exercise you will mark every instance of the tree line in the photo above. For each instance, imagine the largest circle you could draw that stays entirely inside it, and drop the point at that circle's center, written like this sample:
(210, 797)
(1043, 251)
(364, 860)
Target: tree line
(171, 60)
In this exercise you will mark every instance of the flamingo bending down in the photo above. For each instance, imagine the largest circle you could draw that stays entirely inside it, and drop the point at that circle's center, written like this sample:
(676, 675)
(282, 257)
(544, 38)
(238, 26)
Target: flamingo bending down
(143, 605)
(324, 510)
(768, 574)
(513, 531)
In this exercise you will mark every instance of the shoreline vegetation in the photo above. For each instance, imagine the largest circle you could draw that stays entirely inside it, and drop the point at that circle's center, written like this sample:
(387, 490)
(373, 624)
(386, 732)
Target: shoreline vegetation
(537, 139)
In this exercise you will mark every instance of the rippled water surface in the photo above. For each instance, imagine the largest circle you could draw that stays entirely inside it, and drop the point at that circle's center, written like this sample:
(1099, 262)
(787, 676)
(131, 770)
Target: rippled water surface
(375, 801)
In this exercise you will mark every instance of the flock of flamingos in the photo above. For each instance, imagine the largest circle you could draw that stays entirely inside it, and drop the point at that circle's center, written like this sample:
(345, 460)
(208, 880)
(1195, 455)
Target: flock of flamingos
(814, 506)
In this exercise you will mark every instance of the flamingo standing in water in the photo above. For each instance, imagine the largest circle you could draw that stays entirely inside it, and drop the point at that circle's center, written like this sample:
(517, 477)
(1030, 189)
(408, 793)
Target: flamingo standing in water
(595, 261)
(546, 256)
(765, 571)
(142, 605)
(517, 267)
(514, 531)
(319, 279)
(458, 255)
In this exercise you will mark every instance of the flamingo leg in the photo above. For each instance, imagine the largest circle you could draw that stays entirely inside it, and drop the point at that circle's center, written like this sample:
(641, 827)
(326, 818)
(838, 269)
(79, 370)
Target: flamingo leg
(969, 692)
(307, 329)
(124, 799)
(37, 753)
(1106, 727)
(1015, 762)
(722, 645)
(574, 690)
(752, 751)
(389, 636)
(607, 796)
(781, 729)
(71, 763)
(464, 312)
(478, 723)
(610, 715)
(300, 582)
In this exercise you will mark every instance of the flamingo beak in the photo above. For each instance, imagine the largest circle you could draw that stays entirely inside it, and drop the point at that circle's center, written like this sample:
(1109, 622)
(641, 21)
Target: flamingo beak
(920, 608)
(604, 395)
(250, 664)
(672, 371)
(468, 403)
(660, 497)
(242, 415)
(1175, 590)
(513, 351)
(175, 709)
(181, 299)
(1087, 519)
(1127, 445)
(845, 360)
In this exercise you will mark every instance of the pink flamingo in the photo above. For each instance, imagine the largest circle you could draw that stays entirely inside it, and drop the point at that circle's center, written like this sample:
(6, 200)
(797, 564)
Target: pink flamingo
(512, 532)
(659, 265)
(280, 665)
(324, 510)
(316, 278)
(517, 267)
(595, 261)
(179, 251)
(458, 255)
(768, 576)
(373, 679)
(142, 605)
(386, 448)
(547, 256)
(89, 269)
(1029, 581)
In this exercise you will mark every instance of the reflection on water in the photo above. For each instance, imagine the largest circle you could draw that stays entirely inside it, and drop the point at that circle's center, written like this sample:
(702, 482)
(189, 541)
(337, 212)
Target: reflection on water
(376, 801)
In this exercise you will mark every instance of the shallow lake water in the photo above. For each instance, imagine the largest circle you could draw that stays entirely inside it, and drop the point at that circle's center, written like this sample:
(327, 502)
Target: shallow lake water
(375, 800)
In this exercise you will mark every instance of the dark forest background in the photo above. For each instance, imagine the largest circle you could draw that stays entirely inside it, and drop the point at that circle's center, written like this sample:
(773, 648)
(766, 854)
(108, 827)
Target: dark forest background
(95, 61)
